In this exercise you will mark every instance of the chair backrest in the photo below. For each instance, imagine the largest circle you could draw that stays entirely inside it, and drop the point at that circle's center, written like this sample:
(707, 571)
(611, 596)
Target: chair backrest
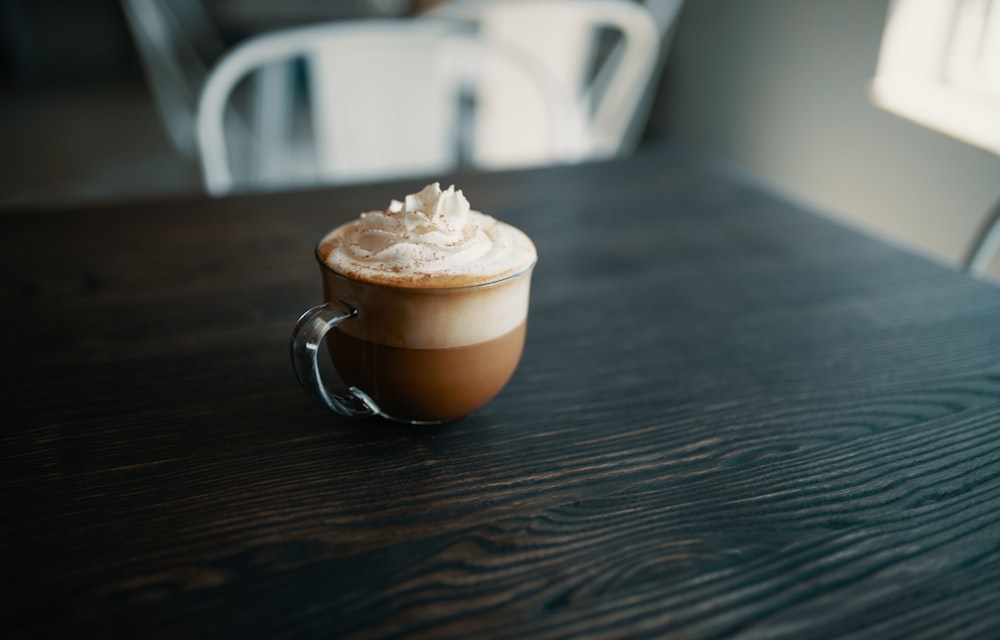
(984, 258)
(177, 44)
(614, 85)
(386, 98)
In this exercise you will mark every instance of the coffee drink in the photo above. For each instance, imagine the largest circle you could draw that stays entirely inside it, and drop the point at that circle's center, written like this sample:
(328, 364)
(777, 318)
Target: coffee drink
(440, 297)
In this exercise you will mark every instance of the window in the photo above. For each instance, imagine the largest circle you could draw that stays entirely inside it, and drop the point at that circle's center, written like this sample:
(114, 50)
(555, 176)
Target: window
(939, 65)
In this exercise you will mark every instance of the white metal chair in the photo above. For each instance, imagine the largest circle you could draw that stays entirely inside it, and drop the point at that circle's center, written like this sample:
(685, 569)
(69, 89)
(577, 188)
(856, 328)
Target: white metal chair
(177, 44)
(386, 100)
(614, 86)
(984, 258)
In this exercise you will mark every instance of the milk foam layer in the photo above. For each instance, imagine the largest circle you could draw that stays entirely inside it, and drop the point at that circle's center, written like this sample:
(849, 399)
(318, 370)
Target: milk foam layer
(415, 318)
(432, 239)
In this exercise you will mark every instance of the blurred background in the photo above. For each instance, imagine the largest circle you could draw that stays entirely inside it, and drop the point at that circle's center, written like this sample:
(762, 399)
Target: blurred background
(799, 93)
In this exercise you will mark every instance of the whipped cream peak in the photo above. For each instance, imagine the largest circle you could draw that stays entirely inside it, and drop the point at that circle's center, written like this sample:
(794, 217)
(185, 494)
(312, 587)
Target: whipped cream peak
(441, 217)
(448, 207)
(430, 238)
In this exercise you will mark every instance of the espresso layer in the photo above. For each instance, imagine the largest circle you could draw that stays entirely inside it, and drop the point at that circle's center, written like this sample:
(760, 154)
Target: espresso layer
(427, 384)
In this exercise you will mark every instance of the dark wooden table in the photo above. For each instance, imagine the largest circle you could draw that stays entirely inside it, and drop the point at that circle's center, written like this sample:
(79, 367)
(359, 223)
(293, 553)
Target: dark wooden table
(734, 417)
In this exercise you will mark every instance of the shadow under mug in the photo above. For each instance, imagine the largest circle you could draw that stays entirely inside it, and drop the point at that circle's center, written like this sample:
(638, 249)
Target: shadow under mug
(415, 355)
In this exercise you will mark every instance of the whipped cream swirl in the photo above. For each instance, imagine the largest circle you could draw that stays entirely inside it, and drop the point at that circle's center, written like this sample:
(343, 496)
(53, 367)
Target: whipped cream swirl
(433, 237)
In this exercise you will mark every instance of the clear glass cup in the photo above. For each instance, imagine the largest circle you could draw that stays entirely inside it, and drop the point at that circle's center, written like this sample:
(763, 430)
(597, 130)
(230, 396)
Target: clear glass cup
(417, 355)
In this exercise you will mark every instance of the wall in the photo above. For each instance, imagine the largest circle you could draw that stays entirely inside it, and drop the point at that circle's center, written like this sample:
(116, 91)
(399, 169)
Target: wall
(780, 87)
(67, 42)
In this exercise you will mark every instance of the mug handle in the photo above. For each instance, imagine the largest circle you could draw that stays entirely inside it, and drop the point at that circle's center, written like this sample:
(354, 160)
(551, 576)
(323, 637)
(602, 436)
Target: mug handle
(307, 336)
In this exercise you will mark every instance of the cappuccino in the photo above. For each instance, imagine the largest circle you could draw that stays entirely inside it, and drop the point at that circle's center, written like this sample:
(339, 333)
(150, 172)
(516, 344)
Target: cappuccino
(441, 296)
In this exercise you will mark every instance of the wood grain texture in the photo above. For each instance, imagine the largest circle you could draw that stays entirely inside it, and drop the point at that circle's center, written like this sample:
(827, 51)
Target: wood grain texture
(733, 418)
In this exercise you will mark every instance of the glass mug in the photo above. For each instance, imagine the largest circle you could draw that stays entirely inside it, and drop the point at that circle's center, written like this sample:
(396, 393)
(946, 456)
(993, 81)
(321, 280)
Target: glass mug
(416, 355)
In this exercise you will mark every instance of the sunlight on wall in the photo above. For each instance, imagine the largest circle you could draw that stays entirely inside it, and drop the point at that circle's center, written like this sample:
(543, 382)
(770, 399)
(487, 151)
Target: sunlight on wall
(939, 65)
